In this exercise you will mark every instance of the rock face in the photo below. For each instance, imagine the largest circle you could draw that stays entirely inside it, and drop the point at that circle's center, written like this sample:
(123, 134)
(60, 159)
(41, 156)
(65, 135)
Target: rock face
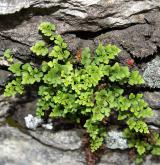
(64, 140)
(153, 99)
(18, 148)
(121, 157)
(155, 119)
(152, 73)
(5, 107)
(91, 15)
(133, 25)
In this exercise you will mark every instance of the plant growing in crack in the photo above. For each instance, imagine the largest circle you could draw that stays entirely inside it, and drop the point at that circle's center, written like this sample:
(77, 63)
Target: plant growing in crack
(91, 90)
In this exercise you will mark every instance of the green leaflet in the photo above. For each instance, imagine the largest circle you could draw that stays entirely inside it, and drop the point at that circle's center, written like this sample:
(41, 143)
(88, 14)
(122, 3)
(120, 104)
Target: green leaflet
(8, 56)
(47, 28)
(39, 49)
(86, 56)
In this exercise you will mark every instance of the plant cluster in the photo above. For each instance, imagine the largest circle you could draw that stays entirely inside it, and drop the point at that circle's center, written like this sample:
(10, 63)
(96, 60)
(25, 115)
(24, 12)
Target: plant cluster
(143, 143)
(90, 89)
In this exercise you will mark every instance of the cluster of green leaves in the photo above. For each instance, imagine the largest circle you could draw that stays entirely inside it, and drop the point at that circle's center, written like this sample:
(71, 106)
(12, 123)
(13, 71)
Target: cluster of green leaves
(146, 143)
(91, 90)
(8, 56)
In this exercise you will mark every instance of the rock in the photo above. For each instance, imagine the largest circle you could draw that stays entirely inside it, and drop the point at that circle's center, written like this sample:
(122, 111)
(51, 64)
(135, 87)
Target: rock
(32, 122)
(118, 13)
(18, 148)
(6, 107)
(90, 16)
(153, 99)
(155, 119)
(135, 41)
(133, 29)
(22, 110)
(152, 73)
(115, 140)
(64, 140)
(121, 158)
(115, 158)
(3, 74)
(152, 127)
(8, 7)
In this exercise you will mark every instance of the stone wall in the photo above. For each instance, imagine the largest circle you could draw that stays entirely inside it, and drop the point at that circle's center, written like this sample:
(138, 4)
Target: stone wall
(133, 25)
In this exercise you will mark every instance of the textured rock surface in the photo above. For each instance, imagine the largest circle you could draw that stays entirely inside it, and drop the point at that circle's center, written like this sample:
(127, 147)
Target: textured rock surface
(114, 158)
(153, 98)
(118, 13)
(23, 110)
(64, 140)
(155, 119)
(5, 107)
(18, 148)
(115, 140)
(121, 158)
(152, 73)
(86, 19)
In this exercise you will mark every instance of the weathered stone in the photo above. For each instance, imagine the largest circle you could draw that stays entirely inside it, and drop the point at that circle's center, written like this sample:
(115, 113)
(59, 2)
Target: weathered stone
(118, 13)
(88, 15)
(87, 19)
(5, 107)
(18, 148)
(155, 119)
(64, 140)
(8, 6)
(136, 40)
(152, 73)
(153, 98)
(115, 140)
(121, 158)
(22, 110)
(115, 158)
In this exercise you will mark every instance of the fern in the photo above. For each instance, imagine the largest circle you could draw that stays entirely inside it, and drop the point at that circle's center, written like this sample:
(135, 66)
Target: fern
(92, 89)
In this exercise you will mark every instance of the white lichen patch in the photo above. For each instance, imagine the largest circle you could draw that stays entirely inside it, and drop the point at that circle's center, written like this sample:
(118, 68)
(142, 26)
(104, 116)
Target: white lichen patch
(115, 140)
(151, 74)
(32, 122)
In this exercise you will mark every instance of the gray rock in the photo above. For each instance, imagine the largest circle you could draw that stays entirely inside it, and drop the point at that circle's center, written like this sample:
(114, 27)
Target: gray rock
(153, 99)
(152, 127)
(78, 15)
(155, 119)
(32, 122)
(5, 107)
(121, 158)
(118, 13)
(135, 41)
(115, 158)
(152, 73)
(3, 74)
(85, 19)
(12, 6)
(64, 140)
(115, 140)
(22, 110)
(18, 148)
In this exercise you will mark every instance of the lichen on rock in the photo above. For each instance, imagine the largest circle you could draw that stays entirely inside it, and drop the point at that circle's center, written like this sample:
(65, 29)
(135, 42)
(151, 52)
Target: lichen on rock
(152, 73)
(116, 140)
